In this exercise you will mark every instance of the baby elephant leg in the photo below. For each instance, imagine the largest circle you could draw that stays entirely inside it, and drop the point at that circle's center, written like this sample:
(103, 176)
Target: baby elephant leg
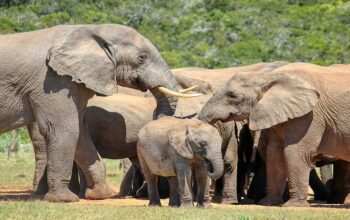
(203, 200)
(174, 196)
(151, 179)
(183, 172)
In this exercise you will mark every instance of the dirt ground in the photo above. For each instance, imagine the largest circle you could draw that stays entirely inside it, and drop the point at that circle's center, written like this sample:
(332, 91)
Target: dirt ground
(26, 194)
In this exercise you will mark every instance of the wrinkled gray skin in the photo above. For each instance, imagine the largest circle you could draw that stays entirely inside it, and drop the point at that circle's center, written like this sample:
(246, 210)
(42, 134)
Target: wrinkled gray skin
(306, 107)
(47, 77)
(170, 147)
(113, 122)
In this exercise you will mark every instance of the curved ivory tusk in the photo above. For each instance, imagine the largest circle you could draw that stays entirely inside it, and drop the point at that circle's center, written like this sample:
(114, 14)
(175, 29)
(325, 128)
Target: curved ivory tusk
(188, 89)
(178, 94)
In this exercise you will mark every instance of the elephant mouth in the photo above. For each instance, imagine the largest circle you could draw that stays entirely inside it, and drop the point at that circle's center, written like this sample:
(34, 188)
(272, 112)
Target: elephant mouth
(209, 165)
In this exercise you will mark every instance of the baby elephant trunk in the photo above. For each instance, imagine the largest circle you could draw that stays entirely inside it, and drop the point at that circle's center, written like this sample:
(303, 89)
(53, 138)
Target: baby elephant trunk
(215, 166)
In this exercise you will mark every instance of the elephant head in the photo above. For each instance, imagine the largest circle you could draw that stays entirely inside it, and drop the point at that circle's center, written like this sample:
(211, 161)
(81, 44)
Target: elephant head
(265, 98)
(198, 140)
(102, 56)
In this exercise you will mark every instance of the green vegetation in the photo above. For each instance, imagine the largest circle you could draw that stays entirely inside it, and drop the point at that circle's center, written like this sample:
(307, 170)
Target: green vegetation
(206, 33)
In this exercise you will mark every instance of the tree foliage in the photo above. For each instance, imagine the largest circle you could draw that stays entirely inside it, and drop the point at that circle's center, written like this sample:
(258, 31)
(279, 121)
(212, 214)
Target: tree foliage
(207, 33)
(204, 33)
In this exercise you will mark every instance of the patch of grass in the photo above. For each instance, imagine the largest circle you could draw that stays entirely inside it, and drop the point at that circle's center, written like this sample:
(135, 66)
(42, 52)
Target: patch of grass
(44, 210)
(18, 173)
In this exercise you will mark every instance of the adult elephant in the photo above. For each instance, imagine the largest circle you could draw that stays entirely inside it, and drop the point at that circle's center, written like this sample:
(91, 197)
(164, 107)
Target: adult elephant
(305, 105)
(47, 77)
(113, 126)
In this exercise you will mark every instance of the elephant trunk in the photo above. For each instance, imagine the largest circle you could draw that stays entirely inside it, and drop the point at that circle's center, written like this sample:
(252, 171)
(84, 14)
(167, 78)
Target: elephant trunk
(206, 114)
(215, 166)
(166, 104)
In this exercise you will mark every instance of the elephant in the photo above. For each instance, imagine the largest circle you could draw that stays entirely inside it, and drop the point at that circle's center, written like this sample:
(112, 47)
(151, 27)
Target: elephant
(170, 147)
(113, 122)
(306, 108)
(47, 77)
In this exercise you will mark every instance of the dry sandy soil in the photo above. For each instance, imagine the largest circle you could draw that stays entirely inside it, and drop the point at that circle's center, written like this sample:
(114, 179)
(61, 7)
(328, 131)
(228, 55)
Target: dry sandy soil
(26, 194)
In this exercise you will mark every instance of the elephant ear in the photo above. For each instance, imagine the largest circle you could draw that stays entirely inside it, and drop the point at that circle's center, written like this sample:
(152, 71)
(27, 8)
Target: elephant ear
(83, 54)
(283, 98)
(177, 140)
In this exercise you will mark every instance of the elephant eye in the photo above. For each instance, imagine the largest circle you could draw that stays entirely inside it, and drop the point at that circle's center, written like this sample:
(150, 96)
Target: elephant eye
(202, 143)
(231, 95)
(142, 58)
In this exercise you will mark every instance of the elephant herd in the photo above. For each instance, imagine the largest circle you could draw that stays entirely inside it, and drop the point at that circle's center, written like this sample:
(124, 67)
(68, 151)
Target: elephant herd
(256, 131)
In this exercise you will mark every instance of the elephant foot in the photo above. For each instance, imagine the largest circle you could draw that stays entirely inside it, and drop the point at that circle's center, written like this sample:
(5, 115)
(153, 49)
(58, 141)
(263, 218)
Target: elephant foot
(247, 202)
(40, 190)
(100, 191)
(174, 204)
(157, 203)
(271, 201)
(204, 205)
(186, 205)
(347, 200)
(61, 195)
(296, 203)
(229, 201)
(216, 199)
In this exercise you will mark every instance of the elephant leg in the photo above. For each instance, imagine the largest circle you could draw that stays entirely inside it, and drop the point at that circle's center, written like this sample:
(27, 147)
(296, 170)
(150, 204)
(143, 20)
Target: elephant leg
(229, 192)
(163, 187)
(321, 191)
(298, 176)
(74, 184)
(151, 179)
(326, 174)
(139, 185)
(203, 200)
(184, 178)
(92, 166)
(40, 174)
(276, 173)
(218, 186)
(82, 183)
(341, 182)
(174, 196)
(61, 145)
(257, 188)
(126, 184)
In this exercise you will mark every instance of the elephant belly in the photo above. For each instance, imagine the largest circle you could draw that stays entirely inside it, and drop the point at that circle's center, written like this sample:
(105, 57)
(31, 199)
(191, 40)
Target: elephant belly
(14, 113)
(158, 163)
(338, 147)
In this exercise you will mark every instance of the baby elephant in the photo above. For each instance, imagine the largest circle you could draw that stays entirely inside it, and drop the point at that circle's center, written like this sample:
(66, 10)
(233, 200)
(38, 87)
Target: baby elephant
(170, 147)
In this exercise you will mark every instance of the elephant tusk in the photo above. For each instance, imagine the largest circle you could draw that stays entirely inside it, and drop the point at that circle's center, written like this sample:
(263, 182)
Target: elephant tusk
(178, 94)
(188, 89)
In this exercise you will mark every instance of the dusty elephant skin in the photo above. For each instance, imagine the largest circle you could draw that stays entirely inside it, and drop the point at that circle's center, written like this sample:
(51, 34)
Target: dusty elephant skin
(307, 108)
(114, 121)
(47, 77)
(170, 147)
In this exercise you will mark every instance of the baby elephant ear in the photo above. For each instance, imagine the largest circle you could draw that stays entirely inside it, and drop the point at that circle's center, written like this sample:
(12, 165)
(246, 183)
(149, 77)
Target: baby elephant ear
(85, 55)
(177, 140)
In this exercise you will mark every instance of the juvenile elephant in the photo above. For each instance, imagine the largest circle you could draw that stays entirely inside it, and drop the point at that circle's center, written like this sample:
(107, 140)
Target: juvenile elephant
(170, 147)
(307, 108)
(47, 77)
